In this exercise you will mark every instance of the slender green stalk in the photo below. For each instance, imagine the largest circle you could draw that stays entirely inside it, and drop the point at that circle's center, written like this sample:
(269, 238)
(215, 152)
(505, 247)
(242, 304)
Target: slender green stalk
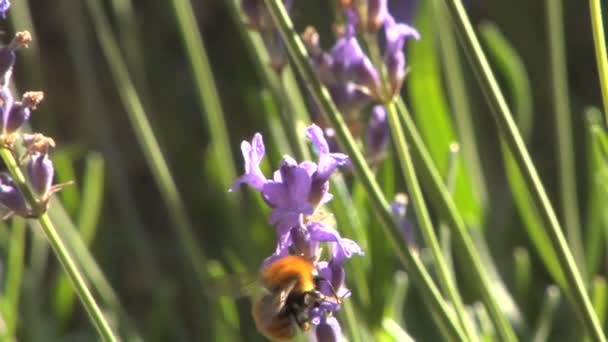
(547, 314)
(457, 92)
(600, 50)
(429, 292)
(563, 119)
(14, 277)
(148, 142)
(448, 210)
(61, 251)
(207, 91)
(407, 167)
(513, 139)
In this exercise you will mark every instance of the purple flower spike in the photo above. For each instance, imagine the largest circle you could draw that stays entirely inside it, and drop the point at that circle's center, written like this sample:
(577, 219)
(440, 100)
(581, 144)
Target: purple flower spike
(11, 197)
(329, 330)
(40, 171)
(253, 153)
(4, 6)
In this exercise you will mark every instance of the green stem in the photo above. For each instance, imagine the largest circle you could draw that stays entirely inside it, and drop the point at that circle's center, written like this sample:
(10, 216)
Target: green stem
(565, 151)
(412, 263)
(205, 84)
(448, 210)
(424, 220)
(60, 250)
(600, 50)
(507, 127)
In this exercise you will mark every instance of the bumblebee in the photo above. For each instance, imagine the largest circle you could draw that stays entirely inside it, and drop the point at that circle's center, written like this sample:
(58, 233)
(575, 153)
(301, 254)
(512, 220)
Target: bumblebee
(291, 288)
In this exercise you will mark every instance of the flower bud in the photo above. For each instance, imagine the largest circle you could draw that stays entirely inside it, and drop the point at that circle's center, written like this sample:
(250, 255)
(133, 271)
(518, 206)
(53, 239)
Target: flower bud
(20, 111)
(329, 331)
(11, 197)
(40, 171)
(7, 53)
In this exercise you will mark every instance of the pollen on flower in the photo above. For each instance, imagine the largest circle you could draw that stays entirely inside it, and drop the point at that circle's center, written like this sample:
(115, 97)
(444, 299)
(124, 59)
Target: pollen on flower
(23, 38)
(31, 99)
(37, 143)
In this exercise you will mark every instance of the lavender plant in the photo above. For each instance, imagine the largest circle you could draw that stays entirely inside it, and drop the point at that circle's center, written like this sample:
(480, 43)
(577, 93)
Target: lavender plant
(296, 194)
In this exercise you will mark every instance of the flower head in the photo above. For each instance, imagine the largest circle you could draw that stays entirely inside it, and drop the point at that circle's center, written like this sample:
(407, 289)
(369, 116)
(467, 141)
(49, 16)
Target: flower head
(40, 171)
(295, 194)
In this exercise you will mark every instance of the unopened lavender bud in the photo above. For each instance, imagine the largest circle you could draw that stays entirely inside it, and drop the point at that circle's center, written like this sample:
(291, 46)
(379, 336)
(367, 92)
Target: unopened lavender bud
(37, 143)
(20, 112)
(40, 171)
(11, 197)
(377, 133)
(7, 53)
(399, 210)
(367, 76)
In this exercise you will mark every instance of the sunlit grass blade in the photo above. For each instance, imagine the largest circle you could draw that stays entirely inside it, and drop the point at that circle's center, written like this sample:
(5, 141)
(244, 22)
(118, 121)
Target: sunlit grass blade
(88, 217)
(596, 219)
(205, 84)
(547, 314)
(513, 72)
(147, 140)
(600, 50)
(565, 141)
(420, 277)
(434, 122)
(522, 277)
(441, 198)
(508, 129)
(446, 279)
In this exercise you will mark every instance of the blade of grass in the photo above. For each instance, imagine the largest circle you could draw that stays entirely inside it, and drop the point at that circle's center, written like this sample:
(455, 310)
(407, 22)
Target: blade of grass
(447, 208)
(433, 118)
(205, 84)
(513, 71)
(88, 217)
(565, 144)
(149, 144)
(446, 281)
(601, 56)
(513, 139)
(596, 221)
(429, 291)
(547, 314)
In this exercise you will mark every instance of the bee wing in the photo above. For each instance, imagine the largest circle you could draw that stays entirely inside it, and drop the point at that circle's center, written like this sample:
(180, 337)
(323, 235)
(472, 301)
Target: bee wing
(280, 297)
(236, 285)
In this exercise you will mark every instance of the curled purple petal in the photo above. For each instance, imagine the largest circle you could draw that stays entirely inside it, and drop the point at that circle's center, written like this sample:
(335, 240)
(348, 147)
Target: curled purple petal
(253, 153)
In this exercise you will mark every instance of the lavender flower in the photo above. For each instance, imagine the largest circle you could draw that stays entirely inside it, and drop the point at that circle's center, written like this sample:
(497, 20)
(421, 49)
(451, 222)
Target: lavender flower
(296, 193)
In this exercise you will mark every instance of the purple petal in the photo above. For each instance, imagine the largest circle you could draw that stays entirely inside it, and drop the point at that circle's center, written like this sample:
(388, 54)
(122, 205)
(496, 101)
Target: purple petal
(40, 171)
(329, 330)
(345, 249)
(253, 153)
(396, 33)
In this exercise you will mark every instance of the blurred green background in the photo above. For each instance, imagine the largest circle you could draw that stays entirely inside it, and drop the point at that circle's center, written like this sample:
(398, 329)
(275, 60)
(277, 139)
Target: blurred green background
(147, 229)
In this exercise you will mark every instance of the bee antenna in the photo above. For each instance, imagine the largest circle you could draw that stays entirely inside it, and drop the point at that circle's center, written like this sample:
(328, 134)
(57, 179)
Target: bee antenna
(333, 290)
